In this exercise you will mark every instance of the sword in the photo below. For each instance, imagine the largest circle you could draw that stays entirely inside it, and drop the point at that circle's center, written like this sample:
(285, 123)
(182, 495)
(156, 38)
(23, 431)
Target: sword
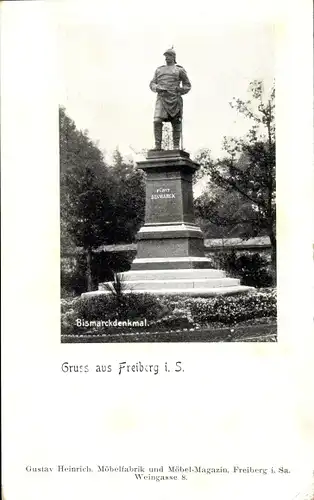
(182, 131)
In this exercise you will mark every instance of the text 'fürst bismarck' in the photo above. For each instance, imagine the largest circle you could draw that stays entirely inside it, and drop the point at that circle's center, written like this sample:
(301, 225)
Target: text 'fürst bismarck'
(163, 193)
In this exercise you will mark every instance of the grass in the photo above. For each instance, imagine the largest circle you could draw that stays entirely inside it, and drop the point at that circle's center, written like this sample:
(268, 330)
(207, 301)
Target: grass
(262, 330)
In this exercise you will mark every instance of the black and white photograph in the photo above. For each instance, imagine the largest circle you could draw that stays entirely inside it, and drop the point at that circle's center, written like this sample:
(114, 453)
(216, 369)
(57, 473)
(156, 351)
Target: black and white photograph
(157, 250)
(167, 177)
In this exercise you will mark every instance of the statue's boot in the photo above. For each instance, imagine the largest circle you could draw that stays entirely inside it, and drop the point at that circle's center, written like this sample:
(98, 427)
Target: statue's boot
(176, 133)
(158, 135)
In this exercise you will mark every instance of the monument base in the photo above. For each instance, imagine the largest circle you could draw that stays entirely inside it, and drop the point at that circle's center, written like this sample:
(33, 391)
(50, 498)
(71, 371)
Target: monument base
(193, 282)
(170, 250)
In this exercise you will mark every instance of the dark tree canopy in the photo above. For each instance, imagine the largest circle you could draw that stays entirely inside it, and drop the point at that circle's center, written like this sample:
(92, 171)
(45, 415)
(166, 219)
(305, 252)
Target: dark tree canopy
(99, 203)
(84, 186)
(128, 198)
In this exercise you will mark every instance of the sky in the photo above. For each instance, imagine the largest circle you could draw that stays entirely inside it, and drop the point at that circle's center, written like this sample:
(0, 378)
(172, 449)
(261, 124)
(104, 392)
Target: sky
(108, 55)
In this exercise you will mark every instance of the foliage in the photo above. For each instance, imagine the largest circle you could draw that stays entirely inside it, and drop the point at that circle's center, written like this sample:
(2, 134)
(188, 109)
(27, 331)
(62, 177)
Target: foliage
(84, 191)
(128, 306)
(233, 308)
(99, 204)
(169, 312)
(106, 264)
(69, 310)
(224, 214)
(108, 307)
(116, 287)
(241, 192)
(103, 267)
(84, 184)
(205, 161)
(128, 200)
(175, 321)
(73, 279)
(251, 269)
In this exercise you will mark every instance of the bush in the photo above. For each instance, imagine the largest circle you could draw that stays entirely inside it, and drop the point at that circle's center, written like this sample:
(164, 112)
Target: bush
(73, 280)
(226, 310)
(69, 314)
(251, 269)
(126, 306)
(103, 267)
(168, 312)
(232, 309)
(178, 318)
(105, 264)
(110, 307)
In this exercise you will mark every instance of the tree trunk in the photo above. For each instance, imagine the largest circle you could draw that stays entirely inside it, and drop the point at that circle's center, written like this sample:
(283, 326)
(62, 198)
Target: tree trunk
(273, 243)
(89, 279)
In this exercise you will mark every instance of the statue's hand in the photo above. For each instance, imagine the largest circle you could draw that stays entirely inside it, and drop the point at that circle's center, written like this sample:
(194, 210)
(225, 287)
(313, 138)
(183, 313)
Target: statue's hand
(160, 90)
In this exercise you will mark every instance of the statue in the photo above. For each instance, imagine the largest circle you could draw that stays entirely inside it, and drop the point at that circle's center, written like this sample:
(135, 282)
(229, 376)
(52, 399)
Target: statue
(170, 82)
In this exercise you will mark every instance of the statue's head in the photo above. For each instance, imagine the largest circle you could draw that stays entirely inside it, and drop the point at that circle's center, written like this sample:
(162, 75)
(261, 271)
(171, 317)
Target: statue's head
(170, 56)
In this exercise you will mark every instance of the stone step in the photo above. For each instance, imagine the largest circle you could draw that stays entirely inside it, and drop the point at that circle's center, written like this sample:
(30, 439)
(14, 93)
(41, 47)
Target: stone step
(173, 263)
(172, 274)
(192, 292)
(179, 284)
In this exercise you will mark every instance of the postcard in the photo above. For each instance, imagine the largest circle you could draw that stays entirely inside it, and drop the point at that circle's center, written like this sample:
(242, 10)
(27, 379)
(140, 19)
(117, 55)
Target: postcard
(157, 228)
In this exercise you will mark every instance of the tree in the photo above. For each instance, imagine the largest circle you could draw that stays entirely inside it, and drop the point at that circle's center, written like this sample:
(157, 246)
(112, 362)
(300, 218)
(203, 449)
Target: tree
(128, 198)
(100, 203)
(85, 184)
(246, 174)
(222, 214)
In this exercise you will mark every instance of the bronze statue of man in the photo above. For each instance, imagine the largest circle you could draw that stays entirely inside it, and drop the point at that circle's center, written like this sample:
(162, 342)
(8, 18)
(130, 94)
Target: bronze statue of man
(170, 82)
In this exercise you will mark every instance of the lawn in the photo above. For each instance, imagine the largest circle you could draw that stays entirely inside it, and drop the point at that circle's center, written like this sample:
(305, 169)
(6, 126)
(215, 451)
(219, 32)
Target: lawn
(264, 330)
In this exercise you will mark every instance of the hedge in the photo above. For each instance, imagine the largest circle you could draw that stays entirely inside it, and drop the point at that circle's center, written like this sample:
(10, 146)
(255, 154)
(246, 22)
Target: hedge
(126, 306)
(169, 311)
(233, 308)
(251, 269)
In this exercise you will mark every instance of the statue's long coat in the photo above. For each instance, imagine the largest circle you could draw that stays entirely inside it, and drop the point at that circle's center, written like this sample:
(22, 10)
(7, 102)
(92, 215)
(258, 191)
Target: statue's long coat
(175, 81)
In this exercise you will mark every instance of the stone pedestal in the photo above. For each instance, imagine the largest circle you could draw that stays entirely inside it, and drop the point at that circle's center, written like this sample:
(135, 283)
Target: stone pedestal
(170, 250)
(169, 238)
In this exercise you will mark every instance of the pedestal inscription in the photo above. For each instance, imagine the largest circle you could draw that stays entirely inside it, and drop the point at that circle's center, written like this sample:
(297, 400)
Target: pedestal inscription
(163, 193)
(163, 200)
